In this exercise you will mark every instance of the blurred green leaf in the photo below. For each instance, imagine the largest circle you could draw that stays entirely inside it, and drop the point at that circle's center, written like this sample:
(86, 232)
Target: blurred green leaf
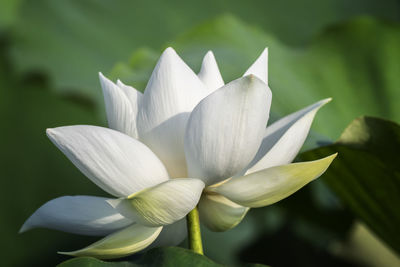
(33, 170)
(93, 262)
(366, 174)
(166, 257)
(8, 12)
(76, 39)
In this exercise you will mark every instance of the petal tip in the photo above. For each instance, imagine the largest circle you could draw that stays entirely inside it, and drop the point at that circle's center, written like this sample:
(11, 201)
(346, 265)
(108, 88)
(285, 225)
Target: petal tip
(251, 79)
(103, 79)
(265, 52)
(169, 51)
(51, 132)
(329, 159)
(24, 228)
(71, 253)
(209, 54)
(120, 83)
(326, 100)
(169, 59)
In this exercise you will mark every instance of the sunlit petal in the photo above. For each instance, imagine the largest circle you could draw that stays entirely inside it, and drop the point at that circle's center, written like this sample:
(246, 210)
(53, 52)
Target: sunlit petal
(268, 186)
(117, 163)
(171, 94)
(209, 73)
(225, 130)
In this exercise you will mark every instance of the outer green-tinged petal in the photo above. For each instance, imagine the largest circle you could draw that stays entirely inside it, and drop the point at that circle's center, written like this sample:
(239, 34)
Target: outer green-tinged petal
(284, 138)
(260, 67)
(268, 186)
(162, 204)
(83, 215)
(118, 108)
(171, 94)
(114, 161)
(225, 130)
(209, 73)
(119, 244)
(219, 213)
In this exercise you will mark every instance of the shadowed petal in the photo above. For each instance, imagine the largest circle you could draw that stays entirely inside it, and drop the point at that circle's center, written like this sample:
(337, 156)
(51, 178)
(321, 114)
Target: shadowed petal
(83, 215)
(219, 213)
(171, 235)
(119, 111)
(134, 96)
(284, 138)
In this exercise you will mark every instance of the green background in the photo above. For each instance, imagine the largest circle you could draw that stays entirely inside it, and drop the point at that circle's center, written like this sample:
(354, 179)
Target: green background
(51, 51)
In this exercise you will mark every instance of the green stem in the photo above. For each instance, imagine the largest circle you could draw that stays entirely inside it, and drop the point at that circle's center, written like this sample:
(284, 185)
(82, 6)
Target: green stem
(193, 226)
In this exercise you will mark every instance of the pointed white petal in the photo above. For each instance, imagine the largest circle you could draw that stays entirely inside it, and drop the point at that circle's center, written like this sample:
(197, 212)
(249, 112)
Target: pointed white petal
(134, 96)
(171, 94)
(284, 138)
(209, 73)
(260, 67)
(83, 215)
(162, 204)
(225, 130)
(171, 235)
(268, 186)
(117, 163)
(219, 213)
(118, 108)
(127, 241)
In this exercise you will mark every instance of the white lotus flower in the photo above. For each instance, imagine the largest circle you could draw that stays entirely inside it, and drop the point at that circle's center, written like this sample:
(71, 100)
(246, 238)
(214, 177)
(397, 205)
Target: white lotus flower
(123, 167)
(201, 128)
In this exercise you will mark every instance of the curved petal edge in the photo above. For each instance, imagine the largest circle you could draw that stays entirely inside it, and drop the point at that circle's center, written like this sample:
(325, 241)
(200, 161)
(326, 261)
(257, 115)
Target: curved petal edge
(116, 162)
(219, 213)
(84, 215)
(226, 128)
(127, 241)
(162, 204)
(271, 185)
(284, 138)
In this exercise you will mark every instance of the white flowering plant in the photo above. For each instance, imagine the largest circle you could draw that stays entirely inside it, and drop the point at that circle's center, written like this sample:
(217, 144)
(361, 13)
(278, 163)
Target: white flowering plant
(189, 149)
